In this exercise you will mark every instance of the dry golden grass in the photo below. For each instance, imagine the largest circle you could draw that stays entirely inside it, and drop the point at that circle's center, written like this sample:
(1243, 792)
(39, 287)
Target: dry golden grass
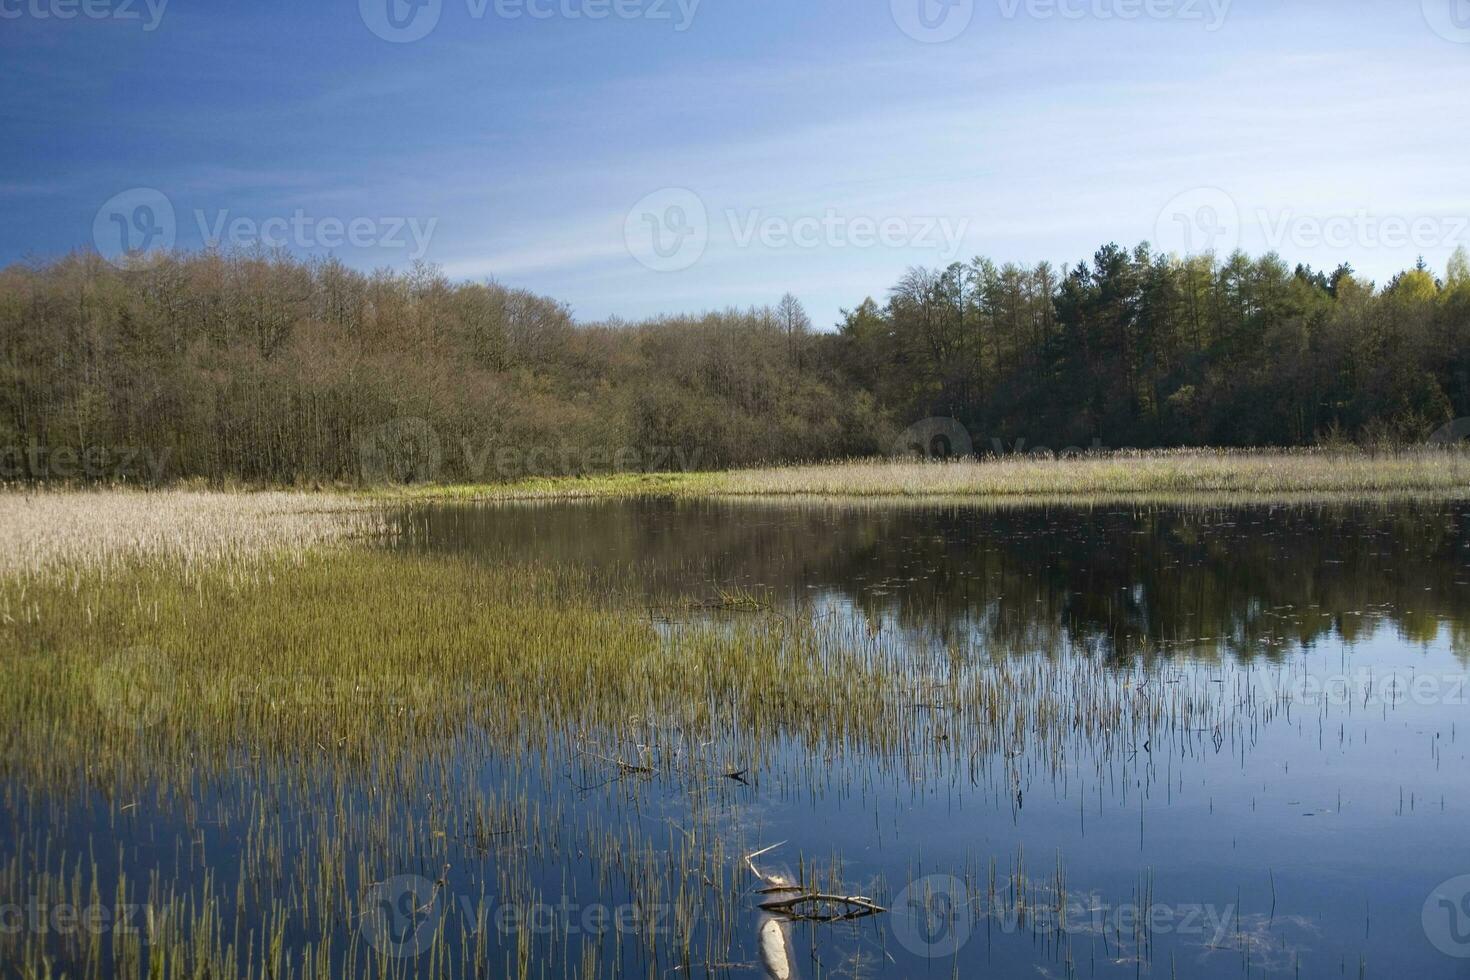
(1161, 475)
(1187, 472)
(49, 530)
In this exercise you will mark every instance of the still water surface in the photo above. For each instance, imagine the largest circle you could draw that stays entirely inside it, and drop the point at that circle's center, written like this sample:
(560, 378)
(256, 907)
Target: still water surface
(1309, 815)
(1308, 839)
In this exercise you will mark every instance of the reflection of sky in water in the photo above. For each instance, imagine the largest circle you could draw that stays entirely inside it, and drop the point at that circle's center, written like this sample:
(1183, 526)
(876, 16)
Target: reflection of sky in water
(1121, 583)
(1299, 827)
(1319, 833)
(1307, 832)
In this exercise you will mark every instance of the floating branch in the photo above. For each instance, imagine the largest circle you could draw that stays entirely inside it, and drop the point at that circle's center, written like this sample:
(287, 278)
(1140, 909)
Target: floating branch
(858, 906)
(797, 899)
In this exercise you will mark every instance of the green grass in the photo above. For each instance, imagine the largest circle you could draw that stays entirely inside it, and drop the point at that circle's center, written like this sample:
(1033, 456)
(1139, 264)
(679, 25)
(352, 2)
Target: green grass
(321, 708)
(561, 488)
(380, 655)
(1260, 475)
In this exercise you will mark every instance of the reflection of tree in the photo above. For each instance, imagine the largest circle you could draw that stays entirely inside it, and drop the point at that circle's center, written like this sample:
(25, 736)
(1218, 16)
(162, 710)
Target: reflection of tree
(1119, 582)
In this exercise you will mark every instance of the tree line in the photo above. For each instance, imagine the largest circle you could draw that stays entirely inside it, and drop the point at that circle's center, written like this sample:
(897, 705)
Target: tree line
(266, 368)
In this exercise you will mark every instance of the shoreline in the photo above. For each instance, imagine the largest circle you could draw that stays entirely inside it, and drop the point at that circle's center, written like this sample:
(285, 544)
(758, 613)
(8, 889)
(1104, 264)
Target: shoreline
(1244, 475)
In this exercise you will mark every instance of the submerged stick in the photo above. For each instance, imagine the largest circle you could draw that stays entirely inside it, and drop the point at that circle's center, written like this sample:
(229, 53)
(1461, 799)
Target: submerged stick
(860, 905)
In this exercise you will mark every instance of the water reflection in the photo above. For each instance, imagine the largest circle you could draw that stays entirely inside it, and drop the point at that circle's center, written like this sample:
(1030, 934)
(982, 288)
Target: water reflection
(1115, 582)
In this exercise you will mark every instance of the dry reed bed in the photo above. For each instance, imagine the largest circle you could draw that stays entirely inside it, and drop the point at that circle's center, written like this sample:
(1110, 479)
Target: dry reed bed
(1189, 472)
(1184, 476)
(48, 530)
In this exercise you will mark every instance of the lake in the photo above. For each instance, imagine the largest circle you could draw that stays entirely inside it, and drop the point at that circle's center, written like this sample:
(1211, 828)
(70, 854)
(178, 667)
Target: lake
(1095, 741)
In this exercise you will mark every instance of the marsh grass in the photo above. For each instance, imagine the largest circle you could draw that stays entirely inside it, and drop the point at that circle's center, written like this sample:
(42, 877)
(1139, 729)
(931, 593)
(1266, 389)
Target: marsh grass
(1161, 476)
(336, 717)
(226, 709)
(48, 530)
(361, 655)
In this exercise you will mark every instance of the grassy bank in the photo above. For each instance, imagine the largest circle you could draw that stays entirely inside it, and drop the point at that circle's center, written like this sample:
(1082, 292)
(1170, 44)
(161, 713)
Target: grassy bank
(1205, 473)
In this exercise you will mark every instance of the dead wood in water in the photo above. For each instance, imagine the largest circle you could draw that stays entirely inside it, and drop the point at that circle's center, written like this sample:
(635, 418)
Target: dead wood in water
(856, 906)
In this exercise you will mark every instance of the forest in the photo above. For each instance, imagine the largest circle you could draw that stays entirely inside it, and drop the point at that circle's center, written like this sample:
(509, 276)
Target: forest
(264, 368)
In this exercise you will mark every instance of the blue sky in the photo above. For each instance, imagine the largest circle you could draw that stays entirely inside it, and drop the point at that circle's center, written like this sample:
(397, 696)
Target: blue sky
(812, 146)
